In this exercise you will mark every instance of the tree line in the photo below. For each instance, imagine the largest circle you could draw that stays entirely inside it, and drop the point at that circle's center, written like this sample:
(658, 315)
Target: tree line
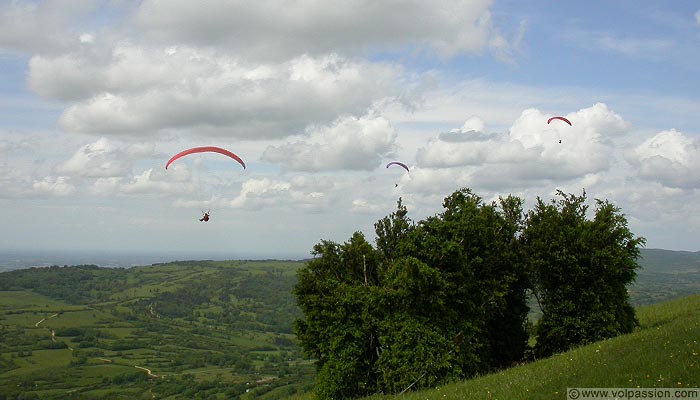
(446, 297)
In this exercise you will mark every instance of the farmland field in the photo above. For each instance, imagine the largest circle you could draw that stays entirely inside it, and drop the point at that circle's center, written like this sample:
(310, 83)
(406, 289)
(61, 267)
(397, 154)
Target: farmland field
(218, 329)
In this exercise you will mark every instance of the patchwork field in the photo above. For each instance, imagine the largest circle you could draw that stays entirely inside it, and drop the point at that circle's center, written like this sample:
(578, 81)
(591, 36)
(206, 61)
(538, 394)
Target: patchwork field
(217, 329)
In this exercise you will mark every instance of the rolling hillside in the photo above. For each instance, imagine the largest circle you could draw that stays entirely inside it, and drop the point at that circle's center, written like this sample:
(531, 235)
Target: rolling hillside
(179, 330)
(665, 275)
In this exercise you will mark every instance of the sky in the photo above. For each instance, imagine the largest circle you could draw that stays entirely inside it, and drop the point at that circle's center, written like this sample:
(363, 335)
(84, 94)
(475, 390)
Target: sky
(317, 97)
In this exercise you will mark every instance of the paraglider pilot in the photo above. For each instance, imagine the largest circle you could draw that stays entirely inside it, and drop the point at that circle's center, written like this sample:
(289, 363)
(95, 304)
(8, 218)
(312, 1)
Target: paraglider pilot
(205, 217)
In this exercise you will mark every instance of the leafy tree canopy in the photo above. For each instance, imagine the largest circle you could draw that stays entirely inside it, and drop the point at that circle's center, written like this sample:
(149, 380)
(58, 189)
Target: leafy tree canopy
(446, 297)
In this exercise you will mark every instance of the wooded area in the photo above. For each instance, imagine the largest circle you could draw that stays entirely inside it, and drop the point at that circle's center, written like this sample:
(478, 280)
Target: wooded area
(447, 297)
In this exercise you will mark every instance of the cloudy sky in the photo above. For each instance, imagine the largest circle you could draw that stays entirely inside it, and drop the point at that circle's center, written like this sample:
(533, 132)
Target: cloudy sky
(317, 97)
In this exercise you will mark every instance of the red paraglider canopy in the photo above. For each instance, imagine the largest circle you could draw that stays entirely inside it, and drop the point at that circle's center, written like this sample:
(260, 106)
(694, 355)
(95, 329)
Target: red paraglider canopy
(560, 118)
(399, 164)
(203, 150)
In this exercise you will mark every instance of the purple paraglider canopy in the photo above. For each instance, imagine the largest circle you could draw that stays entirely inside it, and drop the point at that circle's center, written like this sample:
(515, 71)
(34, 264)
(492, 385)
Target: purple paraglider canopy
(400, 164)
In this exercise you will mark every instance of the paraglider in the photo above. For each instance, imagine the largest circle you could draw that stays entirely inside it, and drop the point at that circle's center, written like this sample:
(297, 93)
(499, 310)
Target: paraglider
(205, 217)
(204, 149)
(559, 118)
(400, 164)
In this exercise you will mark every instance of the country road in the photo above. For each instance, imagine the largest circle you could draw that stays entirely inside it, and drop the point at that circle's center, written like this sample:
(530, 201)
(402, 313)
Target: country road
(44, 319)
(148, 371)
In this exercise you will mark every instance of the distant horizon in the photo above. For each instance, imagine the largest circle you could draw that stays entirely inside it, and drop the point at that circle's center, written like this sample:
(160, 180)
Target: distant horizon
(21, 259)
(158, 253)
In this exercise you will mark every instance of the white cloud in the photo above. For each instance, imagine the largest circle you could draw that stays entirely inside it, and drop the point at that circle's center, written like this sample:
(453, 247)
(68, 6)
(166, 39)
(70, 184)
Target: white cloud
(12, 181)
(531, 150)
(430, 181)
(177, 180)
(64, 77)
(669, 158)
(600, 122)
(504, 49)
(299, 193)
(697, 17)
(43, 26)
(258, 29)
(473, 124)
(348, 143)
(140, 91)
(86, 38)
(667, 217)
(106, 186)
(108, 165)
(140, 150)
(473, 129)
(53, 186)
(101, 158)
(312, 183)
(363, 206)
(7, 146)
(151, 181)
(260, 193)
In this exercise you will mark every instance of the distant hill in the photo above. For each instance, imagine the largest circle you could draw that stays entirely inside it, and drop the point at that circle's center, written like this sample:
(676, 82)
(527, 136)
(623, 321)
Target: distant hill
(665, 275)
(16, 259)
(659, 260)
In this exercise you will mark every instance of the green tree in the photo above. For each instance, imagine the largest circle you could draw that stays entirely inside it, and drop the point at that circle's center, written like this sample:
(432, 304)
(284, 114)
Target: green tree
(437, 300)
(392, 231)
(414, 347)
(445, 298)
(337, 293)
(474, 247)
(579, 270)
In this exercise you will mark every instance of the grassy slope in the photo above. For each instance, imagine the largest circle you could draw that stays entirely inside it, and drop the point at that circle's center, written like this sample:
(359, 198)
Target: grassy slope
(663, 352)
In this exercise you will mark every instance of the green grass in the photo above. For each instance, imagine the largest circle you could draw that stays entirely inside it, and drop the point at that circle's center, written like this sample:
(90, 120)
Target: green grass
(30, 301)
(40, 363)
(98, 372)
(663, 352)
(122, 333)
(71, 319)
